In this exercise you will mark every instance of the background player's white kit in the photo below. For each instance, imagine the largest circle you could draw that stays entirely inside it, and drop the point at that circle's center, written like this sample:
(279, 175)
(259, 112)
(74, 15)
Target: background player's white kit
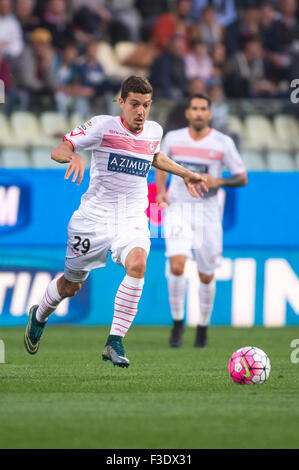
(111, 215)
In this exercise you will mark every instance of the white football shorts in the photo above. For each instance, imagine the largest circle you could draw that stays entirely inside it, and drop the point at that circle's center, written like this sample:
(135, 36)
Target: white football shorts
(90, 241)
(185, 234)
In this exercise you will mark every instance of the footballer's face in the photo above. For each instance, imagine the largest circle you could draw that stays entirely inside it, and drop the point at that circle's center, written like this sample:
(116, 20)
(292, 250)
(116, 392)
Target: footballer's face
(135, 110)
(198, 114)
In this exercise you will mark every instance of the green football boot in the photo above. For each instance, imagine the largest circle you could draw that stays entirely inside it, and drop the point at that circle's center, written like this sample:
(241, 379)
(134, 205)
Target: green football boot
(114, 352)
(33, 332)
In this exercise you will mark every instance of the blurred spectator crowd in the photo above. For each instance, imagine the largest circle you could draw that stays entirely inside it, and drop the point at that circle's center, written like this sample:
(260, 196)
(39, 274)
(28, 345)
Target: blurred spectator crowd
(66, 54)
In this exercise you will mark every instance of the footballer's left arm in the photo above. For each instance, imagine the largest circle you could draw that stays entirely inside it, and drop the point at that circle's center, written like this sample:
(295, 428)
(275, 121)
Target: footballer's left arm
(193, 181)
(238, 179)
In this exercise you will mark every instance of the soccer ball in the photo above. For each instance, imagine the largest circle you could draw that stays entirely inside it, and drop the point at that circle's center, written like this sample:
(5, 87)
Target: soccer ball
(249, 366)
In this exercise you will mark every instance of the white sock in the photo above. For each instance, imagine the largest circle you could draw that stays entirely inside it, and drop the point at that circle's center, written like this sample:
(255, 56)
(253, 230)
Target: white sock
(126, 304)
(49, 303)
(176, 292)
(206, 302)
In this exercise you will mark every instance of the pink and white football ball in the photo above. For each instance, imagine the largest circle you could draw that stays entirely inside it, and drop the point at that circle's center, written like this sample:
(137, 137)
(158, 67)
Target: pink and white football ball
(249, 366)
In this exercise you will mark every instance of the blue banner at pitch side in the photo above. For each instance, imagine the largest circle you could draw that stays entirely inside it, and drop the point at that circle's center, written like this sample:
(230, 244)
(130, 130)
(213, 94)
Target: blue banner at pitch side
(254, 287)
(23, 281)
(36, 205)
(257, 282)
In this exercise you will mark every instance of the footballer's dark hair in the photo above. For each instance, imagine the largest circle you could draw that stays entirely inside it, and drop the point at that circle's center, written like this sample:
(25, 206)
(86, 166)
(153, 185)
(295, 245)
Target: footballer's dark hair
(200, 96)
(135, 84)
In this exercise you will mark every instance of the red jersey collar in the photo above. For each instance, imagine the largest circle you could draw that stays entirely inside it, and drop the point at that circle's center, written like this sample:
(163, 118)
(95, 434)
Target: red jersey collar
(127, 129)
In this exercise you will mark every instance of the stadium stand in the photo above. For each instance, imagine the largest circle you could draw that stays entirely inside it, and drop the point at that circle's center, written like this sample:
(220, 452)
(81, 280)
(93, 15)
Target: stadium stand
(15, 158)
(6, 134)
(106, 56)
(259, 134)
(260, 114)
(264, 144)
(235, 125)
(27, 130)
(287, 130)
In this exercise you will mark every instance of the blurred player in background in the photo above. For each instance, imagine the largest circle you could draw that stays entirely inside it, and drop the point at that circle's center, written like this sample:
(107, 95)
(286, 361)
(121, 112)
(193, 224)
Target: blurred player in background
(191, 225)
(111, 216)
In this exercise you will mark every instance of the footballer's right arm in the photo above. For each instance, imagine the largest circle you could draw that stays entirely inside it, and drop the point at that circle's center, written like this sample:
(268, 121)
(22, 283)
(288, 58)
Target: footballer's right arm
(64, 153)
(162, 196)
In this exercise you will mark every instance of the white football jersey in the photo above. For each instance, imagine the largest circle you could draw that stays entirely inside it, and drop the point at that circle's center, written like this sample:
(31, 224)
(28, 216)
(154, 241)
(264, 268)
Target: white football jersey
(207, 155)
(121, 160)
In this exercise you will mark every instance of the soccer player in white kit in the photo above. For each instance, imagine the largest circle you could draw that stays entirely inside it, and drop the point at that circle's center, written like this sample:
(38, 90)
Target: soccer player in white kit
(196, 225)
(111, 217)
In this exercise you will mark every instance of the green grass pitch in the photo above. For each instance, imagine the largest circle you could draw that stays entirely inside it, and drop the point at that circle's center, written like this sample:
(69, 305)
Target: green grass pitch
(67, 397)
